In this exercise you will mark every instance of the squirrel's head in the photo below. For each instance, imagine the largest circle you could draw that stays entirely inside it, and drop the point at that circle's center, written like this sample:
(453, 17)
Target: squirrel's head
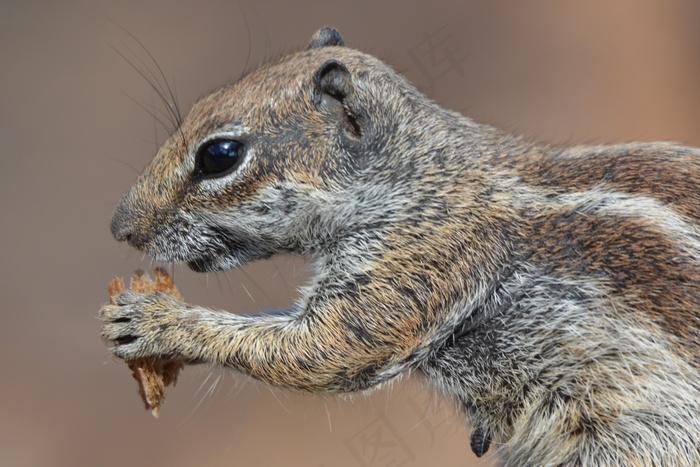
(269, 164)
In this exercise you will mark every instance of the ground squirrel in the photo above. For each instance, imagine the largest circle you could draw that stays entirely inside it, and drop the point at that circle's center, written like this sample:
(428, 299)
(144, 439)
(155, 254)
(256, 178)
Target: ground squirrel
(552, 292)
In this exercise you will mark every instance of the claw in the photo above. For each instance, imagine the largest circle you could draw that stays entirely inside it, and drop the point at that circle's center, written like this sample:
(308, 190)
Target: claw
(131, 323)
(115, 331)
(127, 351)
(128, 297)
(480, 441)
(116, 313)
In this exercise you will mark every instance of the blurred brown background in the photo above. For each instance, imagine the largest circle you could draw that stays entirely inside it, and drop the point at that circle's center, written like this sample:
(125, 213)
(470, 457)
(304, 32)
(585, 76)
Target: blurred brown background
(74, 137)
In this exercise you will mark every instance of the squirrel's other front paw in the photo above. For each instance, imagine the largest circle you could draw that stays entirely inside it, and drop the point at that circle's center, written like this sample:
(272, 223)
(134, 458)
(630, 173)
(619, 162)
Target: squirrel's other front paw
(138, 325)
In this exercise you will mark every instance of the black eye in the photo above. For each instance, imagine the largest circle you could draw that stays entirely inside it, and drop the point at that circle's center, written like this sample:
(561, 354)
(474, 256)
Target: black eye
(219, 157)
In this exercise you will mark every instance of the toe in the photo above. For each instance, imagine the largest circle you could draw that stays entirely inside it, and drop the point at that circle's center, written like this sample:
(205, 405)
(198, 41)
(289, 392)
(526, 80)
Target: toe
(116, 313)
(117, 331)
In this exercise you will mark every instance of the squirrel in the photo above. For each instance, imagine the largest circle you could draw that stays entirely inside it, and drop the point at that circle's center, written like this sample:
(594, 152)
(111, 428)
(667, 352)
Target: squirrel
(553, 293)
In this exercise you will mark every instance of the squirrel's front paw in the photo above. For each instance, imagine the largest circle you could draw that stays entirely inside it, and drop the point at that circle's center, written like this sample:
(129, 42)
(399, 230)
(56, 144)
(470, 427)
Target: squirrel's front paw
(139, 325)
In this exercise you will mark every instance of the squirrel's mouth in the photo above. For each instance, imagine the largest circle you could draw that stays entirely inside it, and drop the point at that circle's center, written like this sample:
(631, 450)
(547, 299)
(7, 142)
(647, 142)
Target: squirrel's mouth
(201, 265)
(225, 249)
(213, 264)
(218, 260)
(209, 249)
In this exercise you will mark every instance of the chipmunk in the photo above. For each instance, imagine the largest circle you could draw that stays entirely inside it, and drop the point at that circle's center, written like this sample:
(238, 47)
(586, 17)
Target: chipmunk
(552, 292)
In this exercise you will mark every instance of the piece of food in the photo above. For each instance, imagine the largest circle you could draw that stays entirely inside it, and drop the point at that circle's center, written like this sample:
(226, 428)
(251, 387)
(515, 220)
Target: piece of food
(152, 374)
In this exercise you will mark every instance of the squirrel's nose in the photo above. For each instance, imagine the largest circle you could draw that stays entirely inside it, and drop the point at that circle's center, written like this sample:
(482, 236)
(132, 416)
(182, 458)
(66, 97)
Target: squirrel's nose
(124, 226)
(120, 226)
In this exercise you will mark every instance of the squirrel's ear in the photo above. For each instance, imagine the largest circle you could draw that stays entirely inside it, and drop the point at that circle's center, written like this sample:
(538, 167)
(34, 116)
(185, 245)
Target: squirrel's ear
(332, 79)
(325, 37)
(333, 89)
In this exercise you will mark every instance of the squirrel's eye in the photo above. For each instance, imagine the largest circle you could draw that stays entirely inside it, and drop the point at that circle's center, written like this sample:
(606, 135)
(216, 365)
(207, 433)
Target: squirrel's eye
(219, 157)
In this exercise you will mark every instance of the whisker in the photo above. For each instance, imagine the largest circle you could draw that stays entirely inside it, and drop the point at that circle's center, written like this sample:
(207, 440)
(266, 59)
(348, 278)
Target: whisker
(204, 382)
(250, 44)
(248, 292)
(278, 272)
(153, 85)
(257, 287)
(171, 103)
(229, 283)
(273, 391)
(203, 395)
(218, 282)
(155, 125)
(152, 113)
(123, 162)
